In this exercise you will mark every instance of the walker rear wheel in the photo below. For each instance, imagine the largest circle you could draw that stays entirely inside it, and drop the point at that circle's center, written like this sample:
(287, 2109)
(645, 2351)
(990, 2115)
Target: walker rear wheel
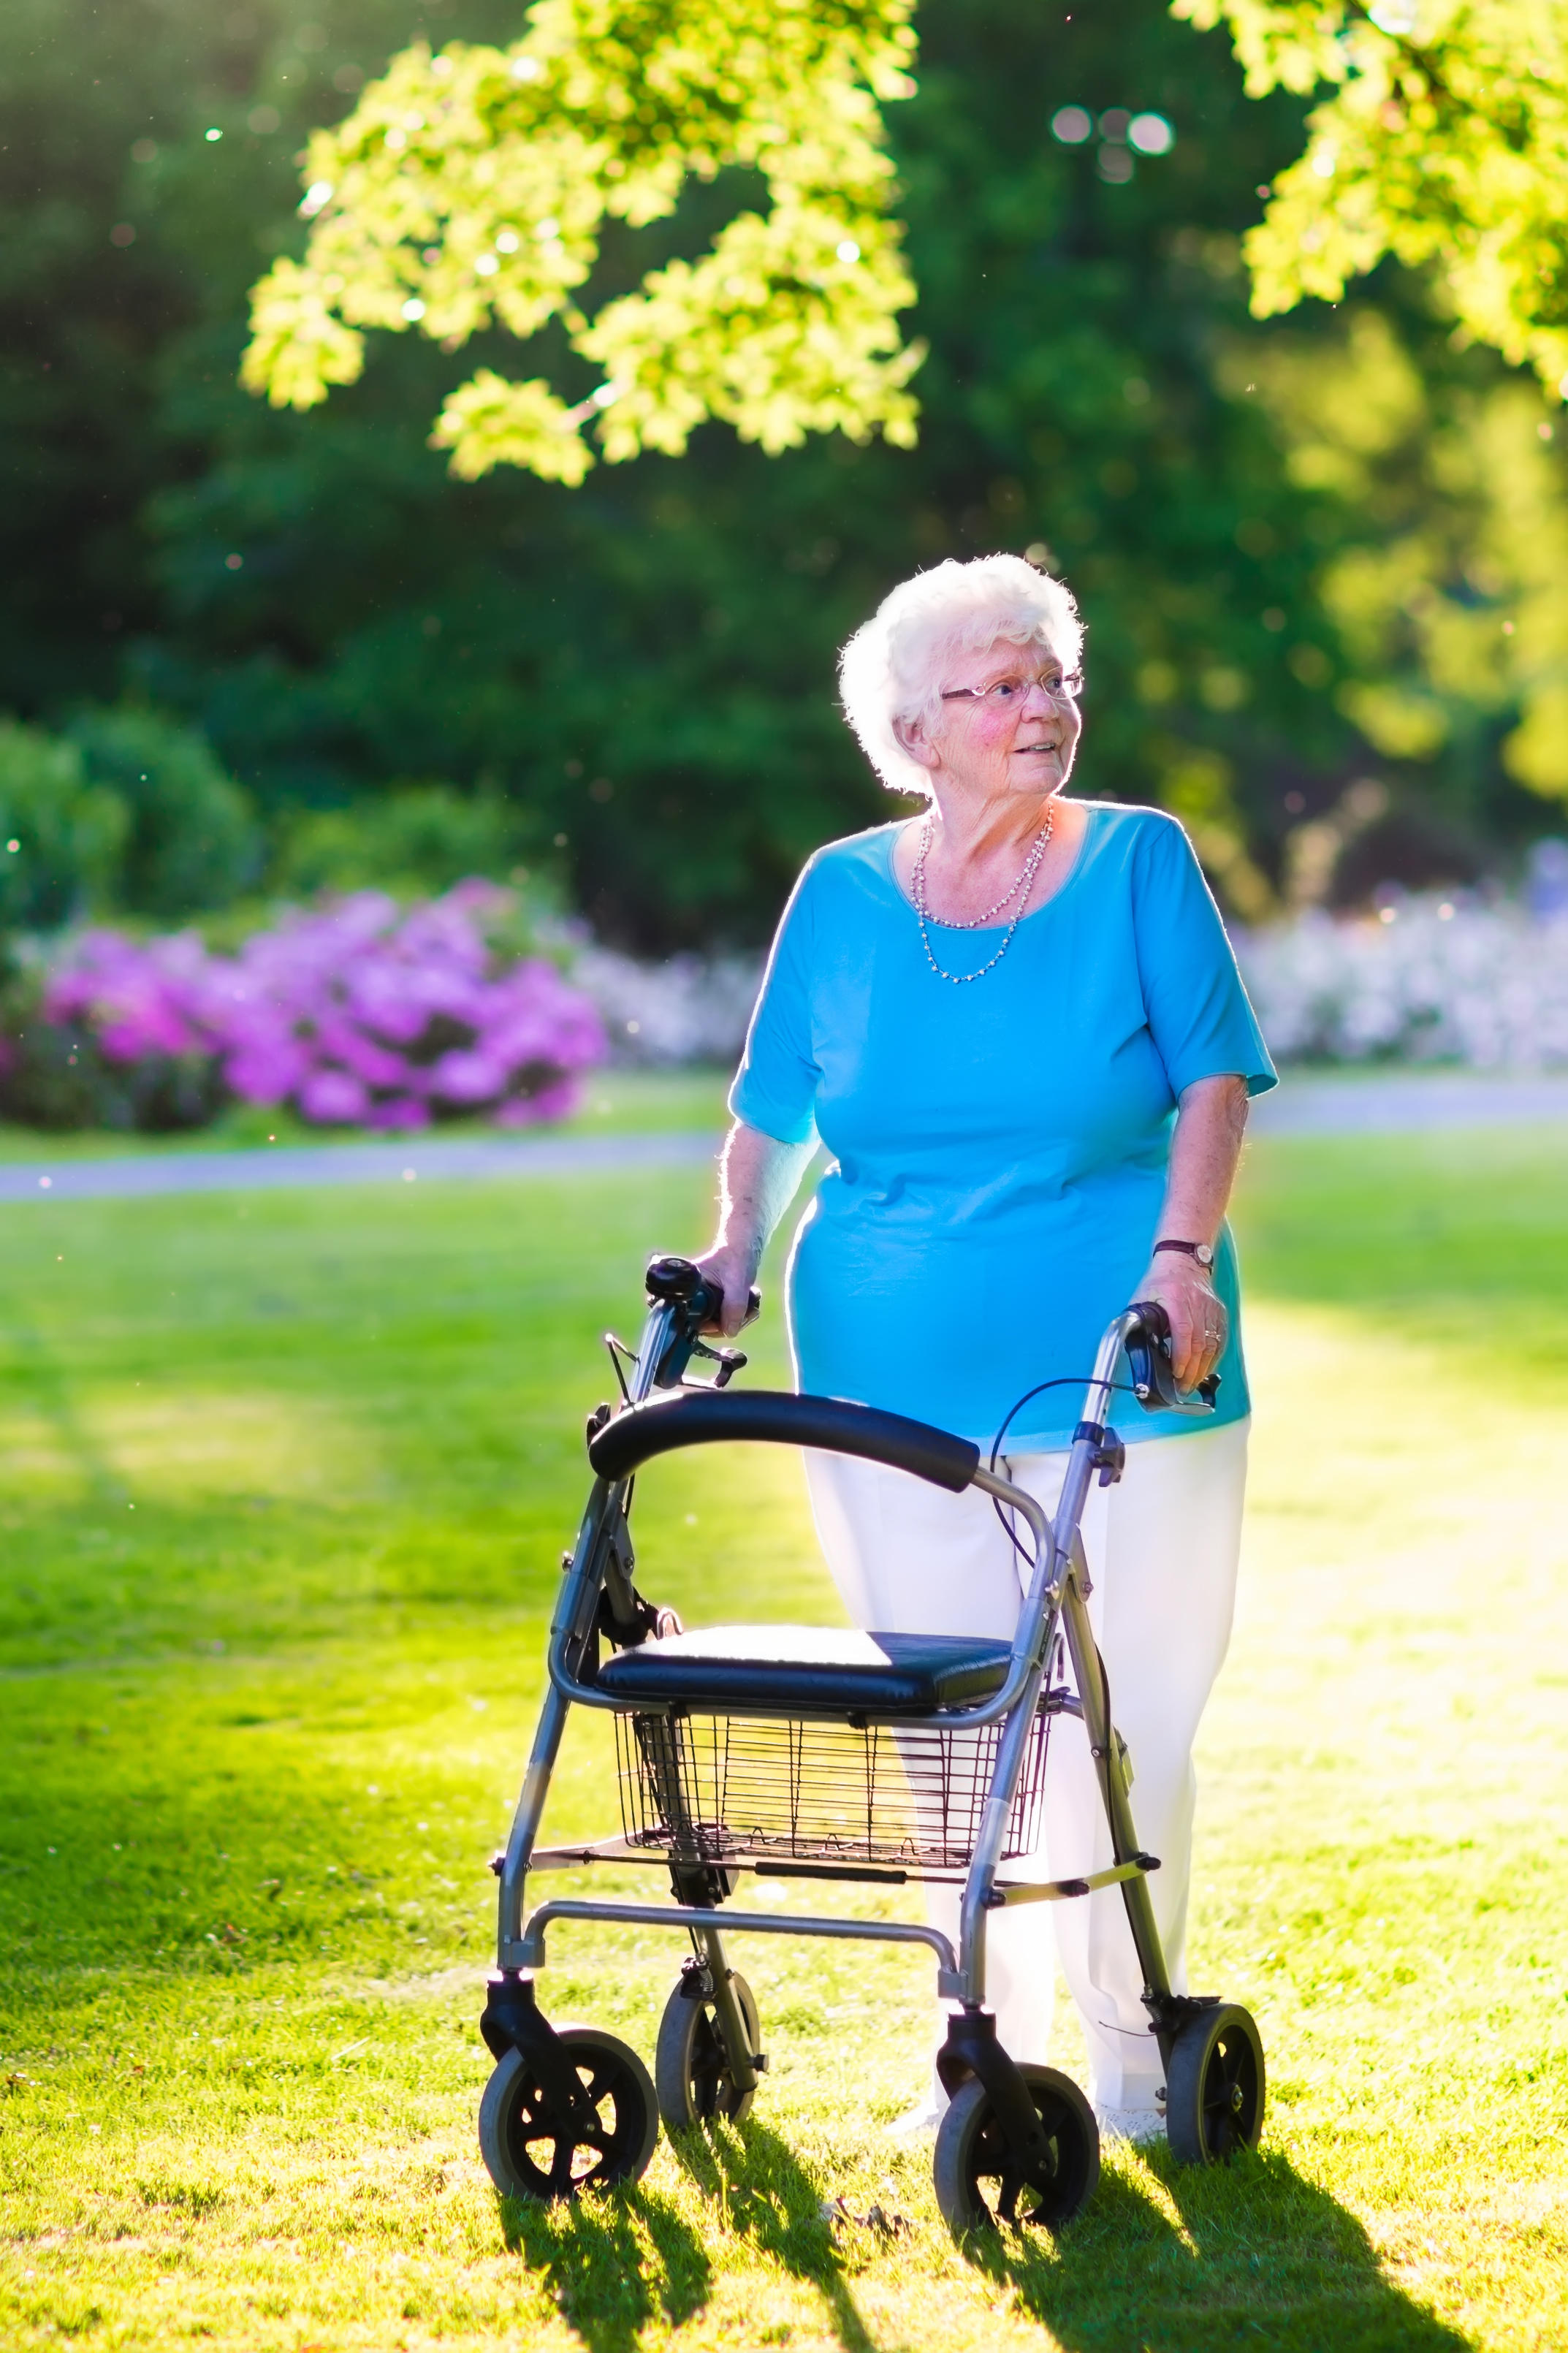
(977, 2186)
(533, 2148)
(1215, 2086)
(690, 2068)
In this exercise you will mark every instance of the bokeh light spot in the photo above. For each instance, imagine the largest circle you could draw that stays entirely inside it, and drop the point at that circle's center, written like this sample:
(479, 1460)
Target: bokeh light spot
(1151, 134)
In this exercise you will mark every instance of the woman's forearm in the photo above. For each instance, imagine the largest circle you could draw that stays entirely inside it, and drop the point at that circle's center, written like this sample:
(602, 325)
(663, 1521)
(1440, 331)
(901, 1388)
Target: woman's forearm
(1204, 1150)
(757, 1180)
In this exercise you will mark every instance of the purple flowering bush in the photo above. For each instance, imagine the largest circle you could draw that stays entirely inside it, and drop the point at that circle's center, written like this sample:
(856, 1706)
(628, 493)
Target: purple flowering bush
(360, 1014)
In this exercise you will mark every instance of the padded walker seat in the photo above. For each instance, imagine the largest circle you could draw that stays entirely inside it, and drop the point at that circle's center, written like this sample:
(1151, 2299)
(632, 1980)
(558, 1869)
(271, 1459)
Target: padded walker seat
(807, 1671)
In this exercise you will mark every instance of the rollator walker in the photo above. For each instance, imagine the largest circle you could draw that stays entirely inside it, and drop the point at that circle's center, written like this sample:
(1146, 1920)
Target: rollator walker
(814, 1754)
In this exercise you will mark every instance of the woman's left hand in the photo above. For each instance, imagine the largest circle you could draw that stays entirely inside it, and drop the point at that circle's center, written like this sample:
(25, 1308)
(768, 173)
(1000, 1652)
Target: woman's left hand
(1199, 1324)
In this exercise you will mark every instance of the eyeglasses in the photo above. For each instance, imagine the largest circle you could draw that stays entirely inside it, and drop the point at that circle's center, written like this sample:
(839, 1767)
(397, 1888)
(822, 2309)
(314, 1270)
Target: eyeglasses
(1007, 692)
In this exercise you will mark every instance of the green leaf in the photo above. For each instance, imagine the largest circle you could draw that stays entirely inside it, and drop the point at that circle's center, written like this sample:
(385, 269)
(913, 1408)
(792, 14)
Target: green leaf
(468, 190)
(1445, 143)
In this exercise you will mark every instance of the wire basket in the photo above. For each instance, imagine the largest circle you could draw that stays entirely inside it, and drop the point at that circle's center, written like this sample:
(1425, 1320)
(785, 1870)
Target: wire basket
(713, 1788)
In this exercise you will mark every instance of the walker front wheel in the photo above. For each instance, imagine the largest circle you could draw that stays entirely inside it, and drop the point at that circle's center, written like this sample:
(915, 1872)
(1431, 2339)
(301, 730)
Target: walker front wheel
(691, 2067)
(1215, 2086)
(977, 2185)
(533, 2147)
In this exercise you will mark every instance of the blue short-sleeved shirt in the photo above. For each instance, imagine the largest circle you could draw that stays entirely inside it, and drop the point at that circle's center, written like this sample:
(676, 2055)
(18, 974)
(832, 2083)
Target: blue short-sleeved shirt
(998, 1152)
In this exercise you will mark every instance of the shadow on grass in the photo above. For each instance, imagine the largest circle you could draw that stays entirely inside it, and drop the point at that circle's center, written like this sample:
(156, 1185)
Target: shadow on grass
(1256, 2255)
(1259, 2255)
(764, 2195)
(597, 2263)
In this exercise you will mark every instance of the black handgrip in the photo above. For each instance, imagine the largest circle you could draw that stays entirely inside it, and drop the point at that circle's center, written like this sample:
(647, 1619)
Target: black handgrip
(675, 1281)
(773, 1416)
(1149, 1359)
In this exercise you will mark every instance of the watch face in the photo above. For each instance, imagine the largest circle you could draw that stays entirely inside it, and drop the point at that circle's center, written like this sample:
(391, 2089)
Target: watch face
(1204, 1255)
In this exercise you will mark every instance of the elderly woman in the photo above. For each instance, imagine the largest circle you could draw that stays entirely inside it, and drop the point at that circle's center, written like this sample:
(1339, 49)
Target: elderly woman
(1016, 1024)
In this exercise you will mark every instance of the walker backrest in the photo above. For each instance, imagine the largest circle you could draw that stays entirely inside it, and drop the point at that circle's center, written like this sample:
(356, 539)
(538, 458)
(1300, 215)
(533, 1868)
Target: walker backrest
(776, 1418)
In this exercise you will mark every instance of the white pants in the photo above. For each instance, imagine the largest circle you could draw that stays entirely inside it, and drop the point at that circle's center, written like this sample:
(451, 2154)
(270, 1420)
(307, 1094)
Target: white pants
(1163, 1548)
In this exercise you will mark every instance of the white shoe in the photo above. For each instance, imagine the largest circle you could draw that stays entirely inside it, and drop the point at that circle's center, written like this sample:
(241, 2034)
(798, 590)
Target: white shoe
(923, 2117)
(1137, 2126)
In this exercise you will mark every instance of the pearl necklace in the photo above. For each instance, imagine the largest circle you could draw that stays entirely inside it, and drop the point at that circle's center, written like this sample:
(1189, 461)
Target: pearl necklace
(1023, 884)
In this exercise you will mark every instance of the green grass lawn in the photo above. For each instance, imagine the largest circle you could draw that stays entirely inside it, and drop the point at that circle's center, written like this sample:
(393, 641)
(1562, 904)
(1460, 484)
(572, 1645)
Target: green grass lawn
(612, 1102)
(286, 1478)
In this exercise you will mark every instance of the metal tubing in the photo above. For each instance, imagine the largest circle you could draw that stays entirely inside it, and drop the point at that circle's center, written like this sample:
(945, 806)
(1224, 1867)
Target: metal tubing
(525, 1825)
(1102, 1379)
(1080, 1460)
(1102, 1740)
(575, 1605)
(727, 2016)
(1054, 1588)
(976, 1904)
(656, 1331)
(1032, 1639)
(531, 1946)
(1007, 1892)
(578, 1599)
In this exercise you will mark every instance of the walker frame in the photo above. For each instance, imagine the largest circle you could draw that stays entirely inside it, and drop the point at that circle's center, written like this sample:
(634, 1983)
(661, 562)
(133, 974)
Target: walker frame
(561, 2111)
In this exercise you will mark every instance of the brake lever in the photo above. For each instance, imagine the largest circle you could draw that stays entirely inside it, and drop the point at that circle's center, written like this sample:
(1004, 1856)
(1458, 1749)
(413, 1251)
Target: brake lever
(1149, 1360)
(729, 1361)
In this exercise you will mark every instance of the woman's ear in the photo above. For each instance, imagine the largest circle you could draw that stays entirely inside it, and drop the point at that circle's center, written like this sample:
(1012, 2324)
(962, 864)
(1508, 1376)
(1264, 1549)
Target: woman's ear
(912, 738)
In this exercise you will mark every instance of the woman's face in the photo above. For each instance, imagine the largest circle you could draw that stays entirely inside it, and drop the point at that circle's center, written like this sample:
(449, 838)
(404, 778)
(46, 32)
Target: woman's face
(1008, 722)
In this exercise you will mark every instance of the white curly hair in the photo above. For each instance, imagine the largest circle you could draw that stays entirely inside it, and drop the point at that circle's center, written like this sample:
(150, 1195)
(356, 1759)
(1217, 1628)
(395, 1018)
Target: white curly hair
(891, 667)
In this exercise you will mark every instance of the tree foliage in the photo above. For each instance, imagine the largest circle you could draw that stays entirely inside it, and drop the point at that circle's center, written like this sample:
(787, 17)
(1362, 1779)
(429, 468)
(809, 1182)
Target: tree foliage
(636, 675)
(1452, 610)
(128, 812)
(1443, 143)
(62, 835)
(472, 188)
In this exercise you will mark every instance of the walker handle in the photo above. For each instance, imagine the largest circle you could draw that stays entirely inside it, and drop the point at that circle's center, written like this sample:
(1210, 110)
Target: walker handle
(1148, 1350)
(675, 1283)
(692, 1303)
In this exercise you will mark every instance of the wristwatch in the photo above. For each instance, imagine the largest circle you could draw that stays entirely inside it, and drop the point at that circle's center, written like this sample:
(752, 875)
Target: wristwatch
(1200, 1250)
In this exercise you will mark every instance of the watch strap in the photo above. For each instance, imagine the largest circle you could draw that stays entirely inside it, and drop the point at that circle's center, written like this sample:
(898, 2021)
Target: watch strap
(1202, 1251)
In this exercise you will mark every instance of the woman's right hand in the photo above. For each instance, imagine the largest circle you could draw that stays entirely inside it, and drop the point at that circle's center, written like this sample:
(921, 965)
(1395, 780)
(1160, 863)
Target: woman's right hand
(734, 1270)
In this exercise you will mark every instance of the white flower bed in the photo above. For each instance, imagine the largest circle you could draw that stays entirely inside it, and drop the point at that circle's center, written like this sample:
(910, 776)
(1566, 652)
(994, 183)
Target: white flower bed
(1429, 980)
(691, 1009)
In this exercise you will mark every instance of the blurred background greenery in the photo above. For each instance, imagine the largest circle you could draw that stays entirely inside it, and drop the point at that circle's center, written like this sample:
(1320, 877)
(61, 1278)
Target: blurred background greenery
(252, 651)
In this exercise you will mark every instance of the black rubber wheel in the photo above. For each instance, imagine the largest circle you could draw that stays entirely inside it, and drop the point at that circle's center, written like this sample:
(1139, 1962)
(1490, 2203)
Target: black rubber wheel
(976, 2186)
(689, 2068)
(1215, 2086)
(531, 2151)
